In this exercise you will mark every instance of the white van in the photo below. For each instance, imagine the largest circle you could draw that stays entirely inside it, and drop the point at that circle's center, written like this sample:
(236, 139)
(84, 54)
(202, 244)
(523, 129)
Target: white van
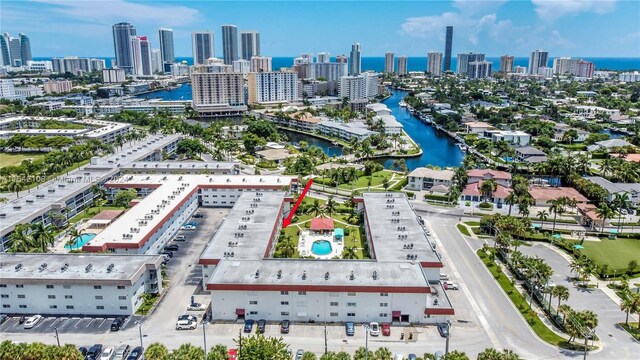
(444, 276)
(185, 325)
(180, 238)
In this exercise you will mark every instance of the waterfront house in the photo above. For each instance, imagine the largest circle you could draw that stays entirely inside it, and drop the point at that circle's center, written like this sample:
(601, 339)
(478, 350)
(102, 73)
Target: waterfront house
(501, 177)
(424, 178)
(391, 125)
(476, 127)
(543, 194)
(276, 155)
(632, 189)
(608, 145)
(472, 192)
(345, 131)
(512, 137)
(530, 154)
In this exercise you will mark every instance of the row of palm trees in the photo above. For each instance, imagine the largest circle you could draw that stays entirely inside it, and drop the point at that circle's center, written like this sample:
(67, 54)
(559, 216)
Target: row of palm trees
(35, 237)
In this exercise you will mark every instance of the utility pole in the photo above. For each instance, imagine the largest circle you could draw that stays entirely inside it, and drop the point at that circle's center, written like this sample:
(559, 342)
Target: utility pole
(140, 331)
(446, 349)
(325, 337)
(239, 343)
(204, 338)
(55, 329)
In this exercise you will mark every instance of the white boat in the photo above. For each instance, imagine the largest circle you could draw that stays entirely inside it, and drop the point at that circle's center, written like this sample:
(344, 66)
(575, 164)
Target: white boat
(402, 103)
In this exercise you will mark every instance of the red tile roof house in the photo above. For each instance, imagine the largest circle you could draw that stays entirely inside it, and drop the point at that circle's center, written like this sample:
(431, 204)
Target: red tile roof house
(501, 177)
(472, 193)
(321, 225)
(543, 194)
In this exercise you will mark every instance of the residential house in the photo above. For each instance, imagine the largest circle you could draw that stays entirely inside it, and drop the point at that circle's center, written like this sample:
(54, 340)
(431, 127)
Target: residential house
(477, 127)
(608, 144)
(425, 179)
(530, 154)
(544, 194)
(632, 189)
(501, 177)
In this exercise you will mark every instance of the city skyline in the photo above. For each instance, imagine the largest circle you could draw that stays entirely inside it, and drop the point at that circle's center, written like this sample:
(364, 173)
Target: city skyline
(570, 28)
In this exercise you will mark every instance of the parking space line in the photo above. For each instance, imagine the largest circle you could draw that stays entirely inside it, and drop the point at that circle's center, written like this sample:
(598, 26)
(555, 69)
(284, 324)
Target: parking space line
(53, 323)
(65, 322)
(90, 322)
(103, 320)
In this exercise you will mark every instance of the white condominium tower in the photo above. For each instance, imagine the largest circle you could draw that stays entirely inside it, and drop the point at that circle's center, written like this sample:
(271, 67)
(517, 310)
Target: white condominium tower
(537, 60)
(434, 63)
(506, 63)
(167, 51)
(402, 66)
(250, 44)
(202, 42)
(261, 64)
(273, 86)
(323, 57)
(355, 66)
(388, 63)
(229, 43)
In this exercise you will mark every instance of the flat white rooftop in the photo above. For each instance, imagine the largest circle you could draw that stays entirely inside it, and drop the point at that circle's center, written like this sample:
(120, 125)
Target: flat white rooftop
(74, 268)
(153, 166)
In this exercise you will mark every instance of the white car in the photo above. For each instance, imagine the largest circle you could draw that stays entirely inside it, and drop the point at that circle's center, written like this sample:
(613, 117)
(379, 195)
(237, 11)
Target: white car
(196, 307)
(374, 329)
(107, 353)
(451, 285)
(186, 325)
(32, 321)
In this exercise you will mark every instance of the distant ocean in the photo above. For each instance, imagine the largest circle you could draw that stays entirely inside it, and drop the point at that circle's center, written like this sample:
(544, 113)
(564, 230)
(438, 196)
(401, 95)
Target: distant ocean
(420, 63)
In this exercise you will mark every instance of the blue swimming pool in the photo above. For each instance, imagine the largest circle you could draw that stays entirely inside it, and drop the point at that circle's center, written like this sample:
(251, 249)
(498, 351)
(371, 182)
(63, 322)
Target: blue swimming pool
(80, 241)
(321, 247)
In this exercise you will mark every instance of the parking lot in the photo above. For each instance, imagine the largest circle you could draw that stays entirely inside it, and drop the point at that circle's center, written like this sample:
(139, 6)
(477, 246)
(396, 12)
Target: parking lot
(80, 325)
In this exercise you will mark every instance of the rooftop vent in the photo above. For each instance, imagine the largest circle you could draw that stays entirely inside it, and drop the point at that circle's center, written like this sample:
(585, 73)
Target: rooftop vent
(64, 267)
(88, 268)
(43, 266)
(18, 267)
(304, 275)
(326, 275)
(279, 274)
(375, 275)
(257, 275)
(352, 276)
(110, 267)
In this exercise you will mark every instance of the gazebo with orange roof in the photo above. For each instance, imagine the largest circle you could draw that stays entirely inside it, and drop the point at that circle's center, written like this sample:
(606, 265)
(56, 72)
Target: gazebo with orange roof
(321, 225)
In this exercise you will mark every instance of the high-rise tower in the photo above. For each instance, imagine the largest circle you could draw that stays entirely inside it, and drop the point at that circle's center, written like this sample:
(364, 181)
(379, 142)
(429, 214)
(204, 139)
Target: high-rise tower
(229, 44)
(122, 33)
(202, 43)
(447, 48)
(250, 44)
(355, 66)
(167, 52)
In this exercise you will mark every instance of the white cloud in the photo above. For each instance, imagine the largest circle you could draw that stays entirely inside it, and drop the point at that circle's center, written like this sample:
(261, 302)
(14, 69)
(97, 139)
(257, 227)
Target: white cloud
(111, 11)
(550, 10)
(561, 42)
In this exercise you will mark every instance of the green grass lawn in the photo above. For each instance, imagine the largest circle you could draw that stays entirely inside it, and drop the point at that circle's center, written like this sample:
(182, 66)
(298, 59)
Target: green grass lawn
(463, 229)
(472, 223)
(632, 329)
(616, 253)
(91, 212)
(376, 179)
(11, 159)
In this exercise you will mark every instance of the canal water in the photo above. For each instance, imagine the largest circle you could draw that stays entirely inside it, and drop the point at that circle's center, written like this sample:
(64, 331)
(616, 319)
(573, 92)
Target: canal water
(438, 149)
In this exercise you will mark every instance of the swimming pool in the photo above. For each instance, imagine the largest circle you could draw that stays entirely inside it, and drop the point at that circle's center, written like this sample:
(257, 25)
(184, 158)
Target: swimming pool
(321, 247)
(80, 241)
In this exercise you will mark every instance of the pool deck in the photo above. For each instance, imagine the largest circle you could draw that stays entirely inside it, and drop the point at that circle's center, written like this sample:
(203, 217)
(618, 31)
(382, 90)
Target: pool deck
(307, 238)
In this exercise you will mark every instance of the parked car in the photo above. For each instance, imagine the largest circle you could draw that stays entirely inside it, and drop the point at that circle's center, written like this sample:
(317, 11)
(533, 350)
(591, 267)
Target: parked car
(121, 352)
(198, 216)
(444, 276)
(248, 326)
(374, 329)
(167, 253)
(136, 353)
(412, 357)
(171, 247)
(438, 355)
(386, 329)
(3, 318)
(262, 326)
(448, 285)
(349, 328)
(117, 323)
(32, 321)
(94, 352)
(196, 307)
(398, 356)
(443, 329)
(107, 353)
(284, 327)
(83, 350)
(186, 325)
(299, 354)
(180, 238)
(188, 317)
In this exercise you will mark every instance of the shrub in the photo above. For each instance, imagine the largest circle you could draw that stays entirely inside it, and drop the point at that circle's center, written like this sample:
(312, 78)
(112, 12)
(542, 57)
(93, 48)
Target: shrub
(485, 205)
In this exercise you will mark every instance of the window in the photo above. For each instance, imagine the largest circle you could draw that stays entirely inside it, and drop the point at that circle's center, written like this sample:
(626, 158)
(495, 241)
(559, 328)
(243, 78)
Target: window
(253, 302)
(5, 296)
(23, 306)
(97, 287)
(66, 286)
(284, 303)
(333, 314)
(351, 314)
(121, 287)
(123, 308)
(3, 285)
(53, 306)
(253, 313)
(122, 298)
(351, 294)
(301, 303)
(100, 307)
(384, 304)
(334, 294)
(384, 294)
(284, 293)
(284, 313)
(302, 293)
(19, 286)
(98, 297)
(70, 307)
(351, 304)
(384, 315)
(6, 306)
(49, 286)
(333, 303)
(68, 296)
(51, 296)
(20, 296)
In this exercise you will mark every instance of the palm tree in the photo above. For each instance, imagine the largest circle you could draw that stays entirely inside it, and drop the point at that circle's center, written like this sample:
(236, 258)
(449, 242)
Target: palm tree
(350, 252)
(330, 206)
(74, 234)
(362, 354)
(20, 240)
(556, 207)
(562, 293)
(218, 352)
(382, 353)
(156, 351)
(385, 183)
(316, 208)
(15, 185)
(42, 236)
(511, 199)
(487, 188)
(621, 201)
(604, 212)
(542, 216)
(631, 305)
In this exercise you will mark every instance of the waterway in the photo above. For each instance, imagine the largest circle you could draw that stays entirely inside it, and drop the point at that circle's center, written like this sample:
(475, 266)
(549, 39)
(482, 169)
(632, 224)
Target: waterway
(180, 93)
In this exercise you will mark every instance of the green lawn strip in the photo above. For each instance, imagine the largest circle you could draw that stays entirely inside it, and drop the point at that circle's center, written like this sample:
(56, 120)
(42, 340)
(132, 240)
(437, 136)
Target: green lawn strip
(148, 301)
(615, 253)
(523, 307)
(632, 329)
(363, 181)
(472, 223)
(463, 229)
(13, 159)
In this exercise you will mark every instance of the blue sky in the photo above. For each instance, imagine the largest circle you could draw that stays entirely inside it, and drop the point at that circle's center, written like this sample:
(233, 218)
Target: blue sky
(607, 28)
